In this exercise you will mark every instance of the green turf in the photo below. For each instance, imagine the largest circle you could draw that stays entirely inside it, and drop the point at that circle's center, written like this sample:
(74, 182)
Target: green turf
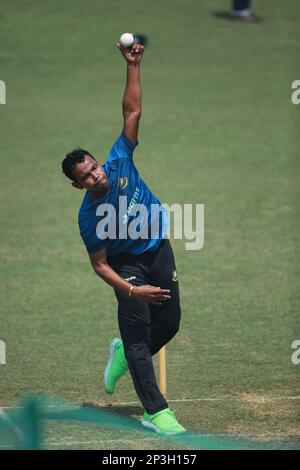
(218, 128)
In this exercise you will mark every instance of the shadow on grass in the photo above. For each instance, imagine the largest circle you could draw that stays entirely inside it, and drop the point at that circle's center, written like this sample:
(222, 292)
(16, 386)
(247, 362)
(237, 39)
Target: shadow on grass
(223, 15)
(127, 411)
(226, 15)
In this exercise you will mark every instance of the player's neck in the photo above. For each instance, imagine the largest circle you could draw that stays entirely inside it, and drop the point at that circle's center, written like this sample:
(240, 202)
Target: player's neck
(98, 194)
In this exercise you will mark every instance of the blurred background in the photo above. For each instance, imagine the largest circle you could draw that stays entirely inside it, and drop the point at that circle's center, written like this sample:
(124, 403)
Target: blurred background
(218, 128)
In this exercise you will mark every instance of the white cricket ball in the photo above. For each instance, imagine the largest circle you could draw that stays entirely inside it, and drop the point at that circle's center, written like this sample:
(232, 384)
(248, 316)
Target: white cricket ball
(126, 40)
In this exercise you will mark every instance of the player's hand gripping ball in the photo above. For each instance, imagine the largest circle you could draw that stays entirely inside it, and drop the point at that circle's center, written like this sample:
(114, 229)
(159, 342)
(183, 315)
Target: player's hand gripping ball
(132, 52)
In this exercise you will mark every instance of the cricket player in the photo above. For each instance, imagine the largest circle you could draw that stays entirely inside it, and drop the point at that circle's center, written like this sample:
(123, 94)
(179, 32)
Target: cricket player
(127, 246)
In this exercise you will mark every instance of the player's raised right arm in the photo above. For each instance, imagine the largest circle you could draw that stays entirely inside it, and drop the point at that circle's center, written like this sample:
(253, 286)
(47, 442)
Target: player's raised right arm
(132, 99)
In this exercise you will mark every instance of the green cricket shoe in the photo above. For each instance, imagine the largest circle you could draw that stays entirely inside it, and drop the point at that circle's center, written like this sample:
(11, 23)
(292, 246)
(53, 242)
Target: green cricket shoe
(163, 422)
(116, 366)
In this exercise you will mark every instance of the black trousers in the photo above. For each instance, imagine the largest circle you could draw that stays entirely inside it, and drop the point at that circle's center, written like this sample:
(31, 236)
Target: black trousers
(144, 327)
(241, 4)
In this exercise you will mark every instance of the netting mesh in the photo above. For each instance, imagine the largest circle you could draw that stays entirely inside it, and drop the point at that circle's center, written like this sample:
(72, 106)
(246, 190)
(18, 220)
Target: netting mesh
(24, 427)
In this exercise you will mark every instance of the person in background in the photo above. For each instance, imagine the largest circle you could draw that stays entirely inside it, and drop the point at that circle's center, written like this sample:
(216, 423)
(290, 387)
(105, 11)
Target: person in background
(241, 10)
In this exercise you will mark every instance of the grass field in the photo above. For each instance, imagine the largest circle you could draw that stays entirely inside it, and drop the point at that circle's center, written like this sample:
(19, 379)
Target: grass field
(218, 128)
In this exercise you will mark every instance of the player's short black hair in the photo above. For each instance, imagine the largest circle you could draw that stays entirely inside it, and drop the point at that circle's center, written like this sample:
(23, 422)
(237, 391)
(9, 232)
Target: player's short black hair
(76, 156)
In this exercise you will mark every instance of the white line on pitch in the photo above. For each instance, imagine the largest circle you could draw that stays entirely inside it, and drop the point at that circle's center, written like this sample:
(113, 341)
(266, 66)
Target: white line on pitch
(183, 400)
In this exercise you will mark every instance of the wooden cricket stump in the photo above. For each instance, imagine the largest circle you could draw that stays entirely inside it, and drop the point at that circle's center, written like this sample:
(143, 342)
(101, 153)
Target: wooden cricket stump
(162, 371)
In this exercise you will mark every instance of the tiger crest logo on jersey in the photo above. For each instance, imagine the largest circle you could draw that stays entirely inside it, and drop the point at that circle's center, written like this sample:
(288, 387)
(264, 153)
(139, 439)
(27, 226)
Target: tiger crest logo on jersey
(123, 181)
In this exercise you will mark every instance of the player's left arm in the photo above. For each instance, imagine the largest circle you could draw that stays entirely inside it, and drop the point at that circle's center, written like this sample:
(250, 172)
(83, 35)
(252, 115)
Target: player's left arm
(132, 99)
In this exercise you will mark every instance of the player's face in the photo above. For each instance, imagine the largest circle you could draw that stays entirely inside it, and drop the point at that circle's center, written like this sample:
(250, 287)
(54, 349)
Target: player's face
(90, 175)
